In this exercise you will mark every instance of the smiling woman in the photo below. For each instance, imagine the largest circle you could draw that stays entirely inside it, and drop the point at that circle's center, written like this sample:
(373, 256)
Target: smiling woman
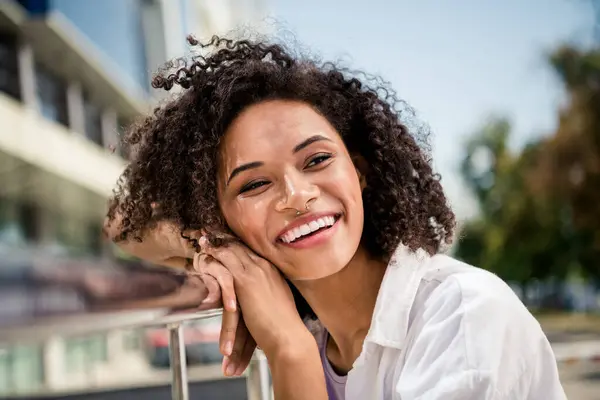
(302, 199)
(296, 170)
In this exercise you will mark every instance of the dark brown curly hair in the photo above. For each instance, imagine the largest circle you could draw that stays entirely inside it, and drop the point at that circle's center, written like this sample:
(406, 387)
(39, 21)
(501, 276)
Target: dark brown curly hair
(173, 165)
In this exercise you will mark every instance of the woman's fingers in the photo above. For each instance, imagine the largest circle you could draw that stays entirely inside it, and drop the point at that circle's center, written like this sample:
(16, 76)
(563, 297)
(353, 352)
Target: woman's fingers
(235, 257)
(214, 272)
(214, 290)
(225, 280)
(229, 327)
(220, 279)
(246, 355)
(225, 256)
(242, 351)
(211, 282)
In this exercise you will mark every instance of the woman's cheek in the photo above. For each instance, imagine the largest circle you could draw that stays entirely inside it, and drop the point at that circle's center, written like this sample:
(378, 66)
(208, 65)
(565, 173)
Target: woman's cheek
(249, 218)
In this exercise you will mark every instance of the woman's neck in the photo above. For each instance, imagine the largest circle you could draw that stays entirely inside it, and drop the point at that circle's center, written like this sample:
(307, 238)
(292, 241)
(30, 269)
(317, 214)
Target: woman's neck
(344, 303)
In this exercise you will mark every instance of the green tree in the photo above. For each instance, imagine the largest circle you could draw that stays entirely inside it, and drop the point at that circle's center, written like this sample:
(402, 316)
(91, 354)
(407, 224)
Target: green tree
(540, 207)
(515, 236)
(568, 170)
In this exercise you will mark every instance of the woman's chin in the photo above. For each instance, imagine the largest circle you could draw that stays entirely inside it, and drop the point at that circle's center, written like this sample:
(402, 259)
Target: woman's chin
(321, 264)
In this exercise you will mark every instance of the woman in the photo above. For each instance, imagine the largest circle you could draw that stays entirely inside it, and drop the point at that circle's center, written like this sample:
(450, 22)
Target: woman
(269, 168)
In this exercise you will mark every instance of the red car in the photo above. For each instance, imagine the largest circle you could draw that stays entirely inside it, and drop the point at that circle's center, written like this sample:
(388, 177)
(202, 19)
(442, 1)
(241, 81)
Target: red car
(201, 340)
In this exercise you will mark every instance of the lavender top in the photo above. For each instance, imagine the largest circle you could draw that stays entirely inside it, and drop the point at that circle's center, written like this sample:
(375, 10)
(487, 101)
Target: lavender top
(336, 384)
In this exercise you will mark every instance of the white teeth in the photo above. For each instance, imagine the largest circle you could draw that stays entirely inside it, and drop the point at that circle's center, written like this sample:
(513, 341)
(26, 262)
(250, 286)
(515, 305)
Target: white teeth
(305, 229)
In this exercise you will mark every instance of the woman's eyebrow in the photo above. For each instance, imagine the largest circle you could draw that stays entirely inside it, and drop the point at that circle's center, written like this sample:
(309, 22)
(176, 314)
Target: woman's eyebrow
(307, 142)
(244, 167)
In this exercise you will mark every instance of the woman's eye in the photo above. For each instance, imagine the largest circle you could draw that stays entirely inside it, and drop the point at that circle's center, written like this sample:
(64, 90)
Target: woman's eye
(252, 186)
(318, 160)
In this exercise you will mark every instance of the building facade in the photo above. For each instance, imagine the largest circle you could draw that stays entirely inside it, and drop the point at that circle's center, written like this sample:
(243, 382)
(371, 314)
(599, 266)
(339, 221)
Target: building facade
(73, 74)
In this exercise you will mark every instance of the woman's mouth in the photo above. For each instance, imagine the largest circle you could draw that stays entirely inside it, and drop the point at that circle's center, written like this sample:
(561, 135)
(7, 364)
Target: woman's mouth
(310, 233)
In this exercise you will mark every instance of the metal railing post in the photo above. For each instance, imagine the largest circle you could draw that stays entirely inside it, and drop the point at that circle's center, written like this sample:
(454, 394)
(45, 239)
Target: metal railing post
(179, 381)
(258, 382)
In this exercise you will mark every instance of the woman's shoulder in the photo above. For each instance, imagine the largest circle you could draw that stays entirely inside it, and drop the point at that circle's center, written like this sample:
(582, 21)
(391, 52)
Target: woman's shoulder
(453, 278)
(447, 275)
(483, 305)
(467, 320)
(434, 288)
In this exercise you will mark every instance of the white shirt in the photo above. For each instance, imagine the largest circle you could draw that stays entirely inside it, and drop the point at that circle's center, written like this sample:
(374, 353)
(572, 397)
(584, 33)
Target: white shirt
(442, 329)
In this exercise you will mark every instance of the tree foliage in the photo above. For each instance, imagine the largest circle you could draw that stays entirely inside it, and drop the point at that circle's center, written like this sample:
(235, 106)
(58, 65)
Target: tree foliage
(540, 207)
(516, 236)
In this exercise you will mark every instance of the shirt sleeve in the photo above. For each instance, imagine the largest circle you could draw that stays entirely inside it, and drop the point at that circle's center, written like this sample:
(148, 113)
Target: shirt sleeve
(475, 340)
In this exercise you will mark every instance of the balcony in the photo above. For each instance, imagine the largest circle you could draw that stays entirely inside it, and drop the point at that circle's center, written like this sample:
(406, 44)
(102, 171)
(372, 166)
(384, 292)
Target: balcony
(54, 148)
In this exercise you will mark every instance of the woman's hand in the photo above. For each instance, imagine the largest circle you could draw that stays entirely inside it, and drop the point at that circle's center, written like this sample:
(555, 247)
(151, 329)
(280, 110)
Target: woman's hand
(164, 245)
(265, 298)
(271, 316)
(235, 342)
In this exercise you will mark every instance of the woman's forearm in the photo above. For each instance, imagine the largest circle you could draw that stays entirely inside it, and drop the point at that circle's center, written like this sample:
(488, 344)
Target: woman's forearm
(298, 374)
(161, 245)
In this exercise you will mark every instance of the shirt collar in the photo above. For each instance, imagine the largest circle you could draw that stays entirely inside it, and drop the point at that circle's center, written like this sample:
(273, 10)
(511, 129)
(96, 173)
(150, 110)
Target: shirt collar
(389, 325)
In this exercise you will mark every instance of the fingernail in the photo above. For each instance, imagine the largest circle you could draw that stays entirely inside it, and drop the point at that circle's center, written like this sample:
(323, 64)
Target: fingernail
(225, 364)
(228, 347)
(232, 305)
(230, 369)
(209, 299)
(202, 241)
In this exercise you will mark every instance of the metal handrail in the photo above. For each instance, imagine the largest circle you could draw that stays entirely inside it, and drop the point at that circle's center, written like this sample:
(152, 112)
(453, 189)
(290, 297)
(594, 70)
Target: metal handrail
(257, 382)
(45, 297)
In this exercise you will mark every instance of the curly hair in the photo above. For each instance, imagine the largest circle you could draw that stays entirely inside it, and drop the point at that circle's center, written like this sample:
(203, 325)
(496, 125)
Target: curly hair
(173, 161)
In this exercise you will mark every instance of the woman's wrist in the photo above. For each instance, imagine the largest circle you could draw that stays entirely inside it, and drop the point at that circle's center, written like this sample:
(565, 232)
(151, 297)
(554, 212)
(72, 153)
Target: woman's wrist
(297, 370)
(297, 348)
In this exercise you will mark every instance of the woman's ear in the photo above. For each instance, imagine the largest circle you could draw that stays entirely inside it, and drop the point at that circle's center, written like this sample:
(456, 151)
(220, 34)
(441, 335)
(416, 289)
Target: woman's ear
(361, 166)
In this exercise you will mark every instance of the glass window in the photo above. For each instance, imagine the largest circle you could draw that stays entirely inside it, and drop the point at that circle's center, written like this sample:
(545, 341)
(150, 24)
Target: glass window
(21, 369)
(122, 126)
(11, 231)
(83, 352)
(35, 6)
(98, 348)
(5, 375)
(9, 66)
(29, 217)
(80, 237)
(95, 239)
(75, 355)
(93, 121)
(19, 221)
(27, 367)
(132, 340)
(52, 96)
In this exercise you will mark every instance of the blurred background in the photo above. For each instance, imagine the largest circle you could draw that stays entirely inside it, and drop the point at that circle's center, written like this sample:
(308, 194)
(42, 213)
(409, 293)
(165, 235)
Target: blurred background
(510, 90)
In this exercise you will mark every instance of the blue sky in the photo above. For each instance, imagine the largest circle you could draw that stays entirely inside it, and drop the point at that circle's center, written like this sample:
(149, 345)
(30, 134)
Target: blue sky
(456, 62)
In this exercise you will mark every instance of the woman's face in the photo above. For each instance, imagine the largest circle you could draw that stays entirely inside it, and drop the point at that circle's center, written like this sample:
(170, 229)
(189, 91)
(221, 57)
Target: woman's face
(289, 189)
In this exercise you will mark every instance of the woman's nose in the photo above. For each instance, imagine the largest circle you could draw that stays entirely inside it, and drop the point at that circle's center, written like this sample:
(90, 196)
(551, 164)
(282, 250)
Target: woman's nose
(297, 191)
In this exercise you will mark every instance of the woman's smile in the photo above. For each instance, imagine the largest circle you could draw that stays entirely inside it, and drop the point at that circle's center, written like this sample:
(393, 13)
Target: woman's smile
(310, 230)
